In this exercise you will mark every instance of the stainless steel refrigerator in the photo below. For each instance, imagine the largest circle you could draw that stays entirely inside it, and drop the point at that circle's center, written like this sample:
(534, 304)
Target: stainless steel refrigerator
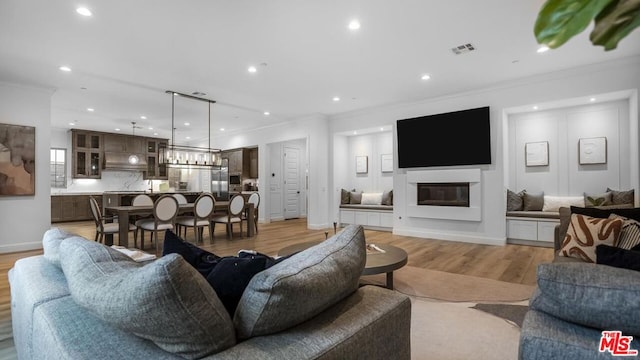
(220, 180)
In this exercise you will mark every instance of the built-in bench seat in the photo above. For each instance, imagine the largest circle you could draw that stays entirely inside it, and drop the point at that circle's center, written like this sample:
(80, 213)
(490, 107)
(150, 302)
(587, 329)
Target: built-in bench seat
(532, 227)
(367, 207)
(534, 214)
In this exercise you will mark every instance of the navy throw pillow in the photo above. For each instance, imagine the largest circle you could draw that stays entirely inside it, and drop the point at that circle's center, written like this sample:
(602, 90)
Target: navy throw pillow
(228, 275)
(618, 257)
(631, 213)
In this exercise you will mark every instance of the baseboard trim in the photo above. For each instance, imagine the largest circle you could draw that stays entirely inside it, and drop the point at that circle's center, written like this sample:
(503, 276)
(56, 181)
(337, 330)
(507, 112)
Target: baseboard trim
(36, 245)
(473, 239)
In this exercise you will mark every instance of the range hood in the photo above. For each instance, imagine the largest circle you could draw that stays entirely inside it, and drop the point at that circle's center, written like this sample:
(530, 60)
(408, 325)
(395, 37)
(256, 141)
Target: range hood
(125, 161)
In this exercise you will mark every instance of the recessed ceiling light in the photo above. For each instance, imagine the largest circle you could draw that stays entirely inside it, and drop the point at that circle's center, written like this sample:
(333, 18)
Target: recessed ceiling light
(335, 98)
(150, 128)
(354, 24)
(535, 107)
(155, 134)
(72, 123)
(425, 77)
(266, 113)
(188, 137)
(355, 133)
(592, 99)
(221, 129)
(187, 124)
(381, 129)
(143, 117)
(252, 69)
(117, 129)
(65, 68)
(84, 11)
(543, 48)
(176, 94)
(91, 109)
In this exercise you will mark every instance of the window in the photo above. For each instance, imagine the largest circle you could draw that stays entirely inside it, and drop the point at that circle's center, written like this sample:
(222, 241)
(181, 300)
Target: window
(58, 168)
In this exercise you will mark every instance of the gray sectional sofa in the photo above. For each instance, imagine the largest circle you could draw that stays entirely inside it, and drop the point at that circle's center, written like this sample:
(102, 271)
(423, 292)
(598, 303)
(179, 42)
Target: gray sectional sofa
(83, 300)
(576, 301)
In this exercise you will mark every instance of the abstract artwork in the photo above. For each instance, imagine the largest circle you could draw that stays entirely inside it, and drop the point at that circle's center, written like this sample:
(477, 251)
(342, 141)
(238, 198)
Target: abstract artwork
(536, 153)
(592, 150)
(362, 165)
(17, 160)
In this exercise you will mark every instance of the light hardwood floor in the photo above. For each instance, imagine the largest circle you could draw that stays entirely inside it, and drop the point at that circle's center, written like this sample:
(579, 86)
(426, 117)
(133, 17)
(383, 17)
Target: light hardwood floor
(510, 263)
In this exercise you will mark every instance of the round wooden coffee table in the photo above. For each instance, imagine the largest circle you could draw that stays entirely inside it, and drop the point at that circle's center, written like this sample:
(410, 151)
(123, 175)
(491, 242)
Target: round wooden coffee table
(393, 258)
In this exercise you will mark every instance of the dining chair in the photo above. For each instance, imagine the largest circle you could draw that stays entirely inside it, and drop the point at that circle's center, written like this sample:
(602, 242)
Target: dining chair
(202, 210)
(233, 215)
(141, 200)
(255, 200)
(103, 227)
(165, 210)
(181, 201)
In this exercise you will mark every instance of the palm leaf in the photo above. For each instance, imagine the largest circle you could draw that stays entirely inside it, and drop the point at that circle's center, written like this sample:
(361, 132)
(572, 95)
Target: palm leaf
(615, 22)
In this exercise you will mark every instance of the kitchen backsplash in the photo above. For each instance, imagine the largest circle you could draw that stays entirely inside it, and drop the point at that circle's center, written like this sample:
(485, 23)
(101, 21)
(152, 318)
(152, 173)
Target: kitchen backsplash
(110, 181)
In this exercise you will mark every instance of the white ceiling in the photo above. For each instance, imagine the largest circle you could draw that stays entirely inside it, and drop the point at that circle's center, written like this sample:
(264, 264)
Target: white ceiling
(129, 53)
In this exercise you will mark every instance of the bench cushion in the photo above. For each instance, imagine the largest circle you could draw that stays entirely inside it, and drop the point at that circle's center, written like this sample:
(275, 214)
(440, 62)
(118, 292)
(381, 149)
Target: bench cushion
(367, 207)
(535, 214)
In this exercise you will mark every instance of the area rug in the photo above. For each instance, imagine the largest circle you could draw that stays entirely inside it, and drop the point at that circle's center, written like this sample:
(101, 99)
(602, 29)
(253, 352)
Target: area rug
(510, 312)
(457, 331)
(445, 286)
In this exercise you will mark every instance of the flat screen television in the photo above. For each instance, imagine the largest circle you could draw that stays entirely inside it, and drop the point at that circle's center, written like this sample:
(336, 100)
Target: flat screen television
(449, 139)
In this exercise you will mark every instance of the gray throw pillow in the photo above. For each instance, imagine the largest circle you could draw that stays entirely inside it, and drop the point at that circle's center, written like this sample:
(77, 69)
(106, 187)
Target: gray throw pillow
(591, 200)
(515, 200)
(598, 296)
(166, 301)
(619, 197)
(302, 286)
(387, 198)
(533, 202)
(355, 197)
(344, 196)
(51, 244)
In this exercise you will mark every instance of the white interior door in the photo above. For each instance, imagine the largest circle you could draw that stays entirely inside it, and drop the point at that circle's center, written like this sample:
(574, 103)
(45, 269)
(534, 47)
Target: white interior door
(291, 183)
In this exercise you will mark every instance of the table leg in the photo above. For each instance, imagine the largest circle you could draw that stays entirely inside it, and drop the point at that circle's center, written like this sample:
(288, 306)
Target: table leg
(123, 222)
(250, 221)
(390, 280)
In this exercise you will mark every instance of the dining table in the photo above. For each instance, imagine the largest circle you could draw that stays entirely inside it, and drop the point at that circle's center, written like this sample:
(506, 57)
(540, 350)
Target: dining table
(125, 212)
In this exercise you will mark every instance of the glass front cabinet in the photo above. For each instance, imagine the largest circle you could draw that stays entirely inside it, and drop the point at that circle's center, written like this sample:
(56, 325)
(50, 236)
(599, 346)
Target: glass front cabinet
(87, 154)
(155, 170)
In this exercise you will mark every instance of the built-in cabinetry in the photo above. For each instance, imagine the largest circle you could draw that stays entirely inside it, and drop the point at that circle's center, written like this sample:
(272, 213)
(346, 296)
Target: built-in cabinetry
(531, 231)
(124, 143)
(243, 162)
(72, 207)
(155, 170)
(87, 153)
(368, 218)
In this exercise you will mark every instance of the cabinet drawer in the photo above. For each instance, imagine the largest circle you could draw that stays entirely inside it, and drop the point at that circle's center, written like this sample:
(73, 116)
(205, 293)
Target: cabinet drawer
(546, 230)
(361, 218)
(386, 219)
(373, 219)
(521, 229)
(347, 216)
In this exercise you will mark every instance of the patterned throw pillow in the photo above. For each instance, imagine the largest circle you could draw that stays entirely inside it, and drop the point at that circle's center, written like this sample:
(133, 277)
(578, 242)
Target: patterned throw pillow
(591, 200)
(622, 197)
(585, 233)
(515, 200)
(630, 234)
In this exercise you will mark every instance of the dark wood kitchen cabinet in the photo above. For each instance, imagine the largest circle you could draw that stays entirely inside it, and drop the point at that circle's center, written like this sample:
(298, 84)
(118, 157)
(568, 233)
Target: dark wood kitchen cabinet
(124, 143)
(87, 154)
(72, 207)
(155, 170)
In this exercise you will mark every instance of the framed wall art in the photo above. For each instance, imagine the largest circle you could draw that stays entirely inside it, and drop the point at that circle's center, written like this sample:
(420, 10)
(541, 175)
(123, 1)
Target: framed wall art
(386, 163)
(592, 150)
(536, 153)
(362, 165)
(17, 160)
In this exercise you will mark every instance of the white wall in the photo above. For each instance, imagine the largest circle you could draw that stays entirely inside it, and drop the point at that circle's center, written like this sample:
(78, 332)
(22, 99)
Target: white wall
(562, 128)
(585, 81)
(314, 130)
(373, 146)
(24, 219)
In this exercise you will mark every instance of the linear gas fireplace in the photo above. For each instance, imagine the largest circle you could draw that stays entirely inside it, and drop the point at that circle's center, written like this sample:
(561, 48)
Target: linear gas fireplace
(443, 194)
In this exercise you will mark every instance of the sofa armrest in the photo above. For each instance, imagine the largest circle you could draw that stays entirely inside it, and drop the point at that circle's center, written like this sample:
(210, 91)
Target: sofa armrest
(557, 242)
(372, 323)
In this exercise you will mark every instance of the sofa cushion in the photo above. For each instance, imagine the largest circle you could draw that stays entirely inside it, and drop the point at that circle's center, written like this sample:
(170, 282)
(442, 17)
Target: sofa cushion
(554, 203)
(165, 301)
(619, 197)
(630, 233)
(355, 197)
(533, 202)
(302, 286)
(617, 257)
(585, 233)
(598, 296)
(591, 200)
(515, 200)
(51, 244)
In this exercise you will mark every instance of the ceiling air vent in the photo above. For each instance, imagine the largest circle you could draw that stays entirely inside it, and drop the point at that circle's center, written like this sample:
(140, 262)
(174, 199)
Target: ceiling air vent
(463, 49)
